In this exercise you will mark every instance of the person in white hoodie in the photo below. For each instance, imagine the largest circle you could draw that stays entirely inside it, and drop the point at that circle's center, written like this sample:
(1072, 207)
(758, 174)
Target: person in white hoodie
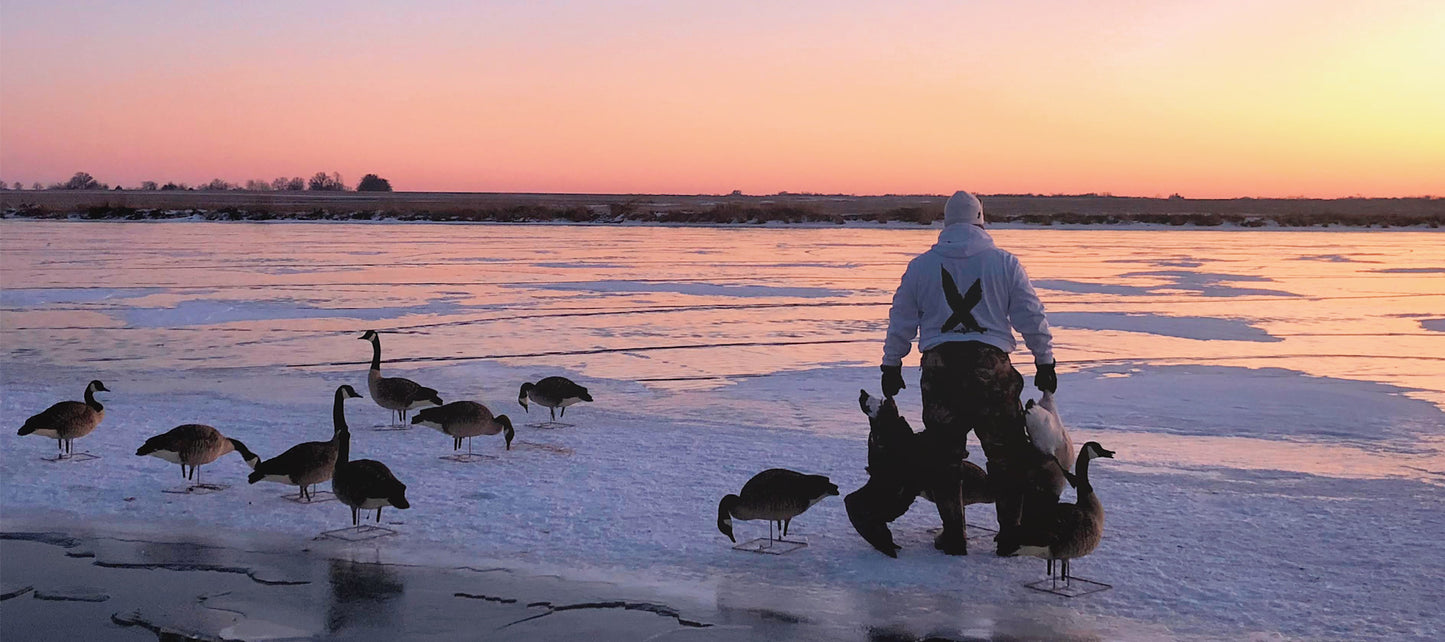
(963, 298)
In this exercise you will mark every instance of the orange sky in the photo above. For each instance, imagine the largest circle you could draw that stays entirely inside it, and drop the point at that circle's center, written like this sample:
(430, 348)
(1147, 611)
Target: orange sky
(1209, 99)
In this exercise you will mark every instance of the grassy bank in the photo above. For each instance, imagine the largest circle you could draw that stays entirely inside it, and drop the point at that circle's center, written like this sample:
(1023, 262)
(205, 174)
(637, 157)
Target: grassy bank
(708, 209)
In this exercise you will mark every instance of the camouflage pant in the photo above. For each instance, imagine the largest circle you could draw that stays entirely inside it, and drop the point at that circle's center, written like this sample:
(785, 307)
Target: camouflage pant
(969, 385)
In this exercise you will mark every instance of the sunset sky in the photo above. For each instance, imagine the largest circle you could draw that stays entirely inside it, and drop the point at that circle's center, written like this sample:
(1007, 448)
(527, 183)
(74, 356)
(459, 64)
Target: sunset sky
(1205, 98)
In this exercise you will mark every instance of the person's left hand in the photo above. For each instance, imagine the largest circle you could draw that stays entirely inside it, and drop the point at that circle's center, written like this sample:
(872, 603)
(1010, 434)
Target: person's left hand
(892, 380)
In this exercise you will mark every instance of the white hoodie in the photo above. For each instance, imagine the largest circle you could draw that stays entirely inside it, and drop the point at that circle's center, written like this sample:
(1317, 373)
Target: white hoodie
(1005, 298)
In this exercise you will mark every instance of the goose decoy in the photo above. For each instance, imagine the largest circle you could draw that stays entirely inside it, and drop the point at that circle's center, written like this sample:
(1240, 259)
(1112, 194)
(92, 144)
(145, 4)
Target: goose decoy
(395, 393)
(465, 419)
(1075, 529)
(552, 393)
(1046, 432)
(364, 484)
(68, 420)
(308, 463)
(777, 495)
(194, 445)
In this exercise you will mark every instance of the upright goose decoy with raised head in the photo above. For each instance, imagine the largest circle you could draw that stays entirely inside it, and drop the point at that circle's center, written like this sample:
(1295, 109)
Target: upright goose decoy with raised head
(464, 420)
(68, 420)
(309, 463)
(1075, 529)
(364, 484)
(396, 394)
(777, 495)
(552, 393)
(194, 445)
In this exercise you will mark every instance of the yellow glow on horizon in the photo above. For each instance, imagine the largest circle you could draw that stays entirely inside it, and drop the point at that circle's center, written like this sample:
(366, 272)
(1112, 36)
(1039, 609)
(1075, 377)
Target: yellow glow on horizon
(1221, 99)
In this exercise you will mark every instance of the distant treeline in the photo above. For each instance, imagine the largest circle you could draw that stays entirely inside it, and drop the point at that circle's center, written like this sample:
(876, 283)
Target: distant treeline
(743, 210)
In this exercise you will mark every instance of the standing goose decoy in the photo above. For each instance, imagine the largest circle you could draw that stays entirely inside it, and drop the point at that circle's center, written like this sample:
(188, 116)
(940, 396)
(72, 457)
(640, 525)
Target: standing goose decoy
(364, 484)
(308, 463)
(777, 495)
(194, 445)
(395, 393)
(552, 393)
(1046, 432)
(465, 419)
(68, 420)
(1076, 528)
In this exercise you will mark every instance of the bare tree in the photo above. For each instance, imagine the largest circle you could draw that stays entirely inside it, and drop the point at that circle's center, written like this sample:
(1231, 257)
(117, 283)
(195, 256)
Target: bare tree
(218, 185)
(82, 180)
(149, 185)
(254, 185)
(321, 182)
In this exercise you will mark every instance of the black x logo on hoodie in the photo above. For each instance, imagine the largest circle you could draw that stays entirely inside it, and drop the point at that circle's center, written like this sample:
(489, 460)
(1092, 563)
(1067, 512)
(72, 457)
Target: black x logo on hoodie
(962, 304)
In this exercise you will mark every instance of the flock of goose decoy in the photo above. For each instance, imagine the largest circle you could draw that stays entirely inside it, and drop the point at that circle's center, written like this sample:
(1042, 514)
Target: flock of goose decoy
(776, 495)
(361, 484)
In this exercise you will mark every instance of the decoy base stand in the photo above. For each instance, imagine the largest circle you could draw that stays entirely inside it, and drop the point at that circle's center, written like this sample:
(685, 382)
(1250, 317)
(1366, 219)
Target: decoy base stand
(72, 457)
(770, 546)
(467, 458)
(1068, 586)
(317, 496)
(357, 533)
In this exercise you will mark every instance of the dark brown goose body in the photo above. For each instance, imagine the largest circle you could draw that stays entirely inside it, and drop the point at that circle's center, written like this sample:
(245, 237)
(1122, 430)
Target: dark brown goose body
(194, 445)
(68, 420)
(1076, 529)
(364, 484)
(308, 463)
(552, 393)
(776, 495)
(396, 394)
(464, 420)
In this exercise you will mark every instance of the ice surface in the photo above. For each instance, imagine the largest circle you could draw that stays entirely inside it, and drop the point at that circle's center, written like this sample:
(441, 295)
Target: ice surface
(1279, 450)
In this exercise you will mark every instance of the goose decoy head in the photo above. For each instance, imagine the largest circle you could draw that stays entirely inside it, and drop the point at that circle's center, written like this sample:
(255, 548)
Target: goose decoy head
(1095, 450)
(725, 516)
(347, 392)
(876, 407)
(97, 386)
(370, 335)
(251, 458)
(507, 432)
(1028, 405)
(522, 396)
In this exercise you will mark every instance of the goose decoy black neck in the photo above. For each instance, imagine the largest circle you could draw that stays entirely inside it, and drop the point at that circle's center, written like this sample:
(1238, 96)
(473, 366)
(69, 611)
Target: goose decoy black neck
(375, 340)
(338, 413)
(522, 396)
(725, 515)
(90, 390)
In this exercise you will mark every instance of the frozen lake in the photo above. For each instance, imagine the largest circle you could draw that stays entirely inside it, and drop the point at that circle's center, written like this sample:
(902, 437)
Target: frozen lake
(1259, 386)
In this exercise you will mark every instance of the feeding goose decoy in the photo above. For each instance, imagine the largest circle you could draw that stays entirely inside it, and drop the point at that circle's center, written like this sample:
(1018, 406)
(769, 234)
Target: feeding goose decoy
(1046, 432)
(364, 484)
(464, 420)
(309, 463)
(194, 445)
(1075, 529)
(396, 394)
(552, 393)
(68, 420)
(777, 495)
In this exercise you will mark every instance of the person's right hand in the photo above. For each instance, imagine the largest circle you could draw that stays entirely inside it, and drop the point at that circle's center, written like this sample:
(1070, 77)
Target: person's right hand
(1045, 378)
(892, 380)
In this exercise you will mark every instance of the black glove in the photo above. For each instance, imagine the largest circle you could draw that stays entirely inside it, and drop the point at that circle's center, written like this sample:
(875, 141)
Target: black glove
(1046, 379)
(892, 380)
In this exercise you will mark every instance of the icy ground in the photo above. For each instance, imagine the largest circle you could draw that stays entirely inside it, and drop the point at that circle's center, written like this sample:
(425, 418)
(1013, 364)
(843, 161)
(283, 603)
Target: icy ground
(1273, 478)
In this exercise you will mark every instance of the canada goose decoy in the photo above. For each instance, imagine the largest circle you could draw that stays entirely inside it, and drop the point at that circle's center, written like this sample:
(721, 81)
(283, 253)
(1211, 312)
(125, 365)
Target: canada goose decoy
(68, 420)
(194, 445)
(395, 393)
(553, 393)
(464, 420)
(1046, 432)
(777, 495)
(309, 463)
(1076, 528)
(364, 484)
